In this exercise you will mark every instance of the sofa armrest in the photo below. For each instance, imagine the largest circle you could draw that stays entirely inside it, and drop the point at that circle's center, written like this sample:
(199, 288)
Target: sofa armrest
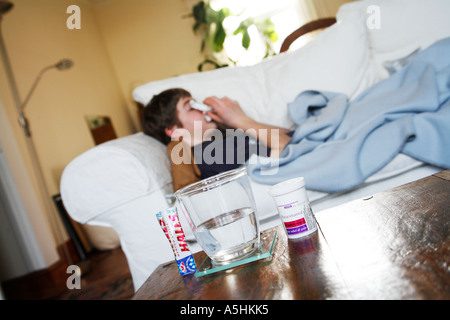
(115, 173)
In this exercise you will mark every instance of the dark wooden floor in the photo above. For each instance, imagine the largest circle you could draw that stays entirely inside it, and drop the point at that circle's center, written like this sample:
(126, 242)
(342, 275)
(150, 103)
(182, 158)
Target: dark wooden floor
(108, 278)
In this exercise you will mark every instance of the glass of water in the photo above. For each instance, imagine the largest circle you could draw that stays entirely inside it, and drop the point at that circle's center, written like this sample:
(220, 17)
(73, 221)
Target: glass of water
(221, 213)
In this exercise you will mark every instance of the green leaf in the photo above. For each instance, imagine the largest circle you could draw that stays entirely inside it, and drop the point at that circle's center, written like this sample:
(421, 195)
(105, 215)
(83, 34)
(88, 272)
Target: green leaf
(211, 61)
(219, 37)
(212, 15)
(224, 13)
(243, 28)
(196, 26)
(198, 12)
(246, 40)
(202, 48)
(273, 37)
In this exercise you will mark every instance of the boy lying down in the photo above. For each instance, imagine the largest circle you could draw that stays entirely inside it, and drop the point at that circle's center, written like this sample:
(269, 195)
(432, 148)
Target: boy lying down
(199, 148)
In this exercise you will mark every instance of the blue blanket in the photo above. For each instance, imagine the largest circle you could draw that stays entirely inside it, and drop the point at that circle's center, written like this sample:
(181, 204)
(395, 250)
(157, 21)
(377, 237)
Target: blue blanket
(338, 144)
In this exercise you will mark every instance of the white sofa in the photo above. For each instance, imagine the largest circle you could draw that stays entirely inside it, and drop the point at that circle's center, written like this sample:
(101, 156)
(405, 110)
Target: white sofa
(123, 183)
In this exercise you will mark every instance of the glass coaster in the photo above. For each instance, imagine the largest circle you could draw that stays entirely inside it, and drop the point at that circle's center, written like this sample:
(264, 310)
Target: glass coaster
(264, 250)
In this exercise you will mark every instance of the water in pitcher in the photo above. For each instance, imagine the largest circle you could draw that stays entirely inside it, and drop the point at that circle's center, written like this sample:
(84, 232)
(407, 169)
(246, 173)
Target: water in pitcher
(230, 236)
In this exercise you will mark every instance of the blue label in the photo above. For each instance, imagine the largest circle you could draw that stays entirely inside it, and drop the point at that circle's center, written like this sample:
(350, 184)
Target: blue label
(187, 265)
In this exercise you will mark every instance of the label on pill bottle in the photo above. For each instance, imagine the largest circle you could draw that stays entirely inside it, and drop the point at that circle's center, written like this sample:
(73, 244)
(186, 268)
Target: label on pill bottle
(294, 208)
(297, 218)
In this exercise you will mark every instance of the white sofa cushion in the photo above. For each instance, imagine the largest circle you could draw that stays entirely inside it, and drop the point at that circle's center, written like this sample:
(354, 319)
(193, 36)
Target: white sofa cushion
(337, 60)
(406, 25)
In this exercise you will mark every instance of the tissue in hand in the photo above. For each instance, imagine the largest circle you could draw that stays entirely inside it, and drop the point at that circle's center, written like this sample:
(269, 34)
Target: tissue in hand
(202, 107)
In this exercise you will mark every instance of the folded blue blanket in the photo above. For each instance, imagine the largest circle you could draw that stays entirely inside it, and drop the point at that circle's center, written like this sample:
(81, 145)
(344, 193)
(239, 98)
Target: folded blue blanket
(338, 144)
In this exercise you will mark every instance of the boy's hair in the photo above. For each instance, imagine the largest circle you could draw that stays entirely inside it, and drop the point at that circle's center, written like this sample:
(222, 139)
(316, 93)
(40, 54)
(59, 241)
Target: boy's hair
(161, 113)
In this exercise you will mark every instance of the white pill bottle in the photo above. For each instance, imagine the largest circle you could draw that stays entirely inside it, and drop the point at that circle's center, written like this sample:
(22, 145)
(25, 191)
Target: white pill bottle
(294, 208)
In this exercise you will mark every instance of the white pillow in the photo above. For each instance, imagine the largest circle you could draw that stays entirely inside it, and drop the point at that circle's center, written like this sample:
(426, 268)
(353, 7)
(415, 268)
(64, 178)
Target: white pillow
(406, 25)
(337, 60)
(243, 84)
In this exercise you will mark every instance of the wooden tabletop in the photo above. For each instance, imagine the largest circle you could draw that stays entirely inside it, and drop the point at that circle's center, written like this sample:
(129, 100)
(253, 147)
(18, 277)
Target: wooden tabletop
(393, 245)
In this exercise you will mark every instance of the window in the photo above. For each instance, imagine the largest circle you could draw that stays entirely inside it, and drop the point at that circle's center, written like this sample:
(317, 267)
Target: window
(284, 14)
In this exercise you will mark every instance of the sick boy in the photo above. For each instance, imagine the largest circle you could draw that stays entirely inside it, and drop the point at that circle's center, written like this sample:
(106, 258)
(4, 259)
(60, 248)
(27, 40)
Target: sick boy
(198, 148)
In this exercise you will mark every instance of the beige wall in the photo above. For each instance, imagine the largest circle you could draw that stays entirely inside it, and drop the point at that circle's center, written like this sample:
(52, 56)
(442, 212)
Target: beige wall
(322, 8)
(329, 8)
(148, 40)
(36, 36)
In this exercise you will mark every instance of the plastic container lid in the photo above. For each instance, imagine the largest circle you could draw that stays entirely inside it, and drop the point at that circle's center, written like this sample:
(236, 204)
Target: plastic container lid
(286, 186)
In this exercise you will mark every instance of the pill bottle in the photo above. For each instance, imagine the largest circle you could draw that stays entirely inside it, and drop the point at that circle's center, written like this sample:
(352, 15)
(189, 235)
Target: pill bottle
(294, 208)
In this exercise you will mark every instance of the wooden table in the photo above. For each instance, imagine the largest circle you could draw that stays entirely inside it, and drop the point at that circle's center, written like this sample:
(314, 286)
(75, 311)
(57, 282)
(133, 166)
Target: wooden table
(393, 245)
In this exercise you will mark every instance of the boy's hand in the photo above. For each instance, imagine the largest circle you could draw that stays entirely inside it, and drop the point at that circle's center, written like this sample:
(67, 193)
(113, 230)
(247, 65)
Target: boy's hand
(229, 113)
(226, 111)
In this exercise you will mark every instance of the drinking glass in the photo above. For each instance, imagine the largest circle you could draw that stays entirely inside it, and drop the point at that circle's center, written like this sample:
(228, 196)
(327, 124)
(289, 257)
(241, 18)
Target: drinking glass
(221, 213)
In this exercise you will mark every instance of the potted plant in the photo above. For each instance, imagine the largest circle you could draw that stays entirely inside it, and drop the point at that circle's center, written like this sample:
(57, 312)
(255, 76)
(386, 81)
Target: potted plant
(209, 24)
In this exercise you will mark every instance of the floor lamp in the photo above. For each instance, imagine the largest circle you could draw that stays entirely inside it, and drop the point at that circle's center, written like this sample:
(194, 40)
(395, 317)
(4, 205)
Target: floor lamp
(65, 64)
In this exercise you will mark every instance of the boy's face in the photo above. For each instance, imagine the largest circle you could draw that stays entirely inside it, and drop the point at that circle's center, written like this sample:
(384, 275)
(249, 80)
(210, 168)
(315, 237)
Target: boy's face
(188, 117)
